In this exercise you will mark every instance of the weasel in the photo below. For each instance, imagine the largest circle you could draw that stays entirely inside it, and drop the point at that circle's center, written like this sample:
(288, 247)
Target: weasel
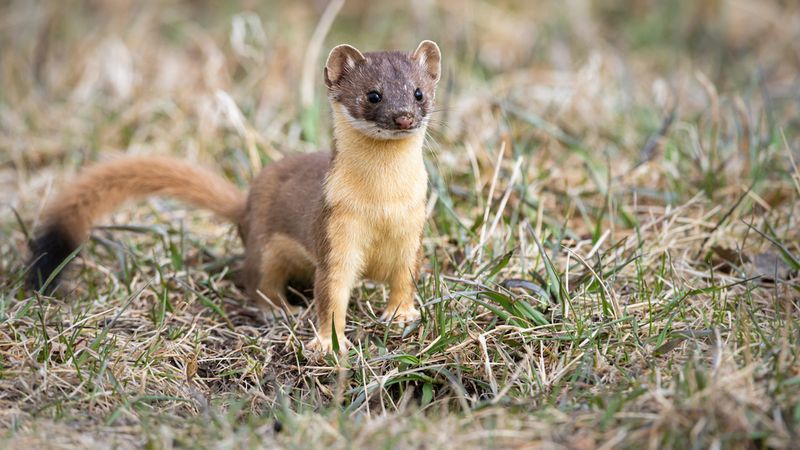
(330, 218)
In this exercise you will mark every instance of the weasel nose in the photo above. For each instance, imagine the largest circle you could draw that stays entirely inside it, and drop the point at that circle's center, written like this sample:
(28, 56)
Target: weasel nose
(404, 122)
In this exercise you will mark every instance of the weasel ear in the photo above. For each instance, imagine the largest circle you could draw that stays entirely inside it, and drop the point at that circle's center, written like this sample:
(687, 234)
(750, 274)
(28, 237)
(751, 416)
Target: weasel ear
(341, 59)
(429, 56)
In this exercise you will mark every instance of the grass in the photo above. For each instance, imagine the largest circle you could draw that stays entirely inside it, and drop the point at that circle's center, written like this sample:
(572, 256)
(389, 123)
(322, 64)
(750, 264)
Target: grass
(612, 252)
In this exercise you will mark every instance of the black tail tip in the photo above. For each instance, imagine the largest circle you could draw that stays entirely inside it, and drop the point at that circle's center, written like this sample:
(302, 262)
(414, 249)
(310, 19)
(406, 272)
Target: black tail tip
(51, 247)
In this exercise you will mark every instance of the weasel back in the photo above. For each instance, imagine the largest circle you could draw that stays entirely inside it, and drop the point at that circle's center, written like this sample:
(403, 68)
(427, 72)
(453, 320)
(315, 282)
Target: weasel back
(69, 217)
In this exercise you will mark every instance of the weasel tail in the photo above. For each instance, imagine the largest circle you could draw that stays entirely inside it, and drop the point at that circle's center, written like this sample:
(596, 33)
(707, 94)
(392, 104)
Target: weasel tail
(69, 217)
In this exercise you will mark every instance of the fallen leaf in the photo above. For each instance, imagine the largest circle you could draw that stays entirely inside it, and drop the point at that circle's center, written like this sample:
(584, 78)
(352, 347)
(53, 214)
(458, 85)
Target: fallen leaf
(769, 266)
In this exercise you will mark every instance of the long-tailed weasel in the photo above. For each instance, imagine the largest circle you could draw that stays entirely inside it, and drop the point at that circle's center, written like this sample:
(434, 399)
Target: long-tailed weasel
(329, 218)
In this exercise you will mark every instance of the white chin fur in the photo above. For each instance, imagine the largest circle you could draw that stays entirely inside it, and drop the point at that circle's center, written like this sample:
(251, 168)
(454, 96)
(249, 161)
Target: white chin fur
(373, 131)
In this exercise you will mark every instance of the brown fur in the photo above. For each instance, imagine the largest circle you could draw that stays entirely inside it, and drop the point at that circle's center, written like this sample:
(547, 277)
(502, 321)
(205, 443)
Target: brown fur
(102, 187)
(333, 218)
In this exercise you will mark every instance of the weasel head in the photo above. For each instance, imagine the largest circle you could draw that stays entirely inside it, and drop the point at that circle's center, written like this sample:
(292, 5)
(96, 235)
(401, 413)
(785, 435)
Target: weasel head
(384, 95)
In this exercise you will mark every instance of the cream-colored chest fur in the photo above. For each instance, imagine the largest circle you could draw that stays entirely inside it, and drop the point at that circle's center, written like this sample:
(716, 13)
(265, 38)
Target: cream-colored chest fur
(377, 191)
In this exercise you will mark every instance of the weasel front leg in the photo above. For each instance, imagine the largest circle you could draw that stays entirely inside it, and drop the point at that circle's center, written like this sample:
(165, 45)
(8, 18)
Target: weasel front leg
(333, 284)
(400, 307)
(332, 288)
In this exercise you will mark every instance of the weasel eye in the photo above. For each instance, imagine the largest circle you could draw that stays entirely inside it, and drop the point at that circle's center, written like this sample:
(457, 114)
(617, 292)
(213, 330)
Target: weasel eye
(373, 97)
(418, 95)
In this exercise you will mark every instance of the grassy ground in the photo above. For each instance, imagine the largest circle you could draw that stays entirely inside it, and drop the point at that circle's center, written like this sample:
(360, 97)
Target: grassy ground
(612, 252)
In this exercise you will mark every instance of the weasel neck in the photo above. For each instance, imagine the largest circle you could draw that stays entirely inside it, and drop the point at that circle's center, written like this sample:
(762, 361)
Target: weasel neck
(370, 171)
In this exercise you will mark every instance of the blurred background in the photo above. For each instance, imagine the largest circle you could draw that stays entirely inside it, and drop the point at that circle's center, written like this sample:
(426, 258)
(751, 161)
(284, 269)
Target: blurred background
(214, 67)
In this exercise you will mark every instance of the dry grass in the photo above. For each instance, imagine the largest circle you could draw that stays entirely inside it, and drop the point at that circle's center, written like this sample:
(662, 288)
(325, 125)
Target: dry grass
(611, 257)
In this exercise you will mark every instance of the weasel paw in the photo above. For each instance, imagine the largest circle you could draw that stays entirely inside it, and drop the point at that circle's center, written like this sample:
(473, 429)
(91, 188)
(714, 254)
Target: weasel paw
(274, 311)
(319, 347)
(401, 316)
